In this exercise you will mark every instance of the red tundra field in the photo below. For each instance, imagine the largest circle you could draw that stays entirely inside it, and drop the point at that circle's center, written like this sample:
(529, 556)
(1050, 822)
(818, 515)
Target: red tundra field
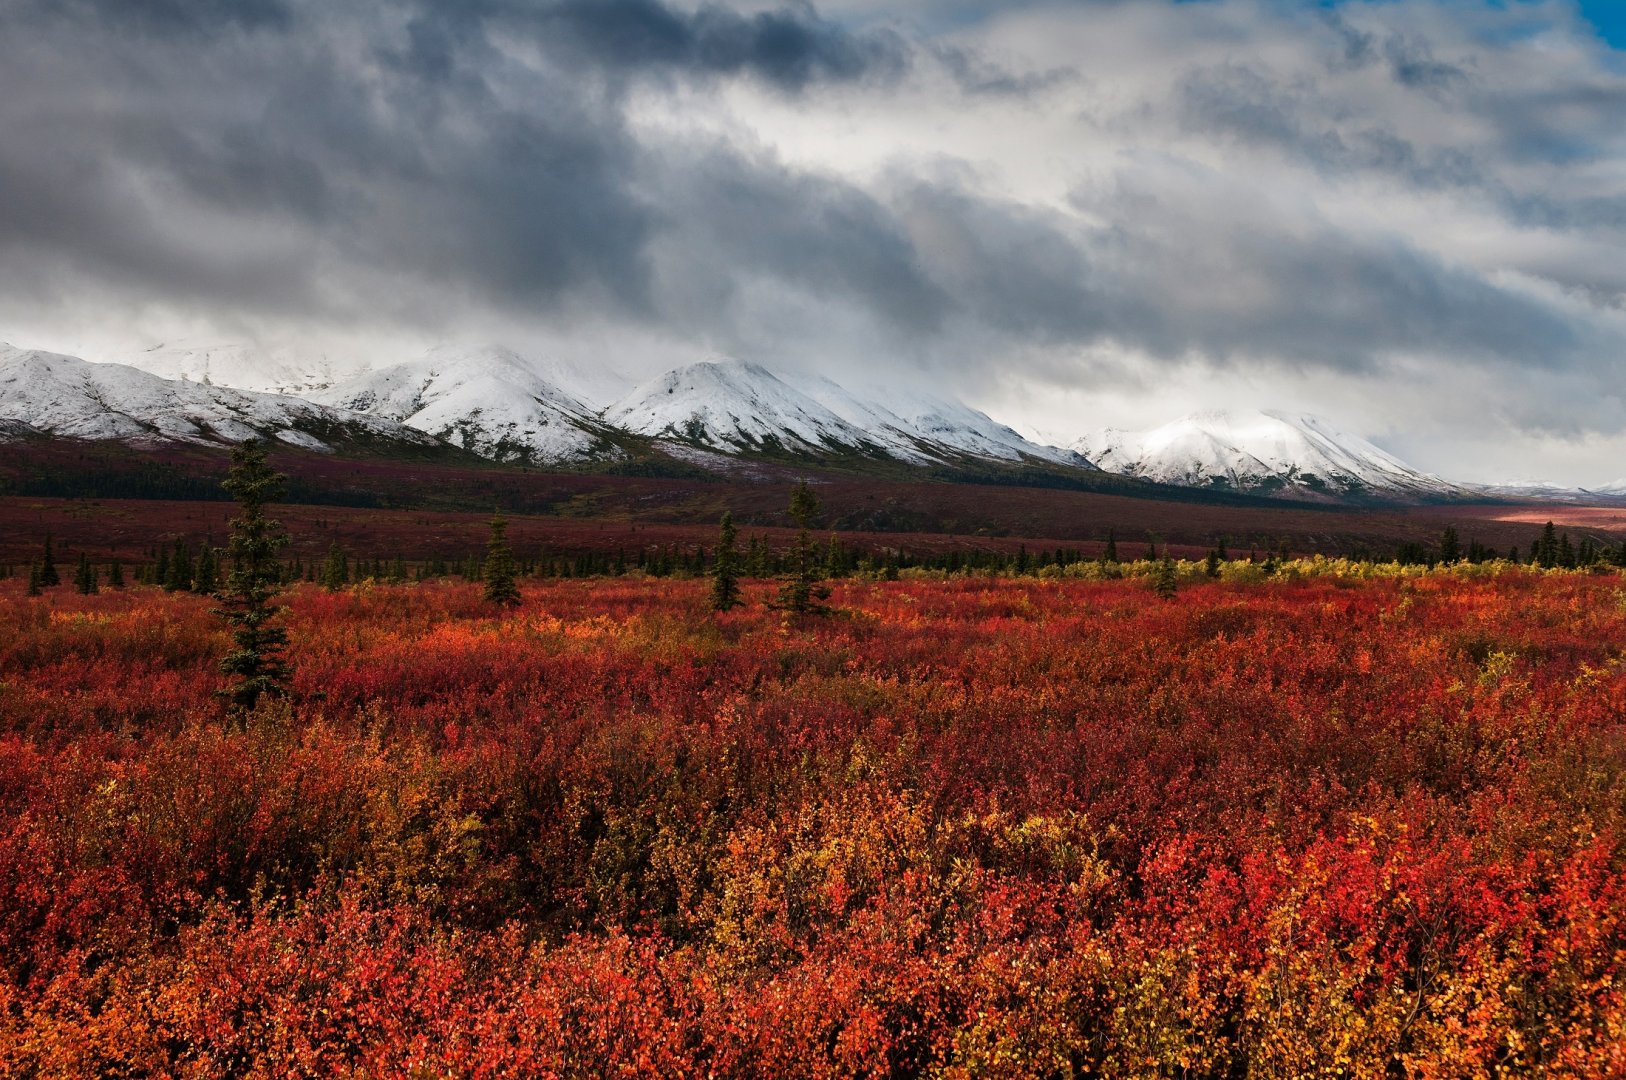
(1338, 822)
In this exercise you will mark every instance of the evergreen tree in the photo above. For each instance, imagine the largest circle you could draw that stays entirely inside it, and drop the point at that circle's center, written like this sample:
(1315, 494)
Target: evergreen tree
(835, 559)
(49, 576)
(1165, 581)
(207, 577)
(802, 592)
(336, 570)
(179, 578)
(499, 568)
(1545, 554)
(35, 579)
(757, 558)
(725, 574)
(1111, 553)
(256, 663)
(85, 577)
(115, 575)
(1566, 553)
(1212, 566)
(1450, 547)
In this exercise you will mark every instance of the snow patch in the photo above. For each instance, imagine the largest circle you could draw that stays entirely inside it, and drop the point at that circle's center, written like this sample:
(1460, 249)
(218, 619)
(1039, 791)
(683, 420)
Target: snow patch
(1293, 455)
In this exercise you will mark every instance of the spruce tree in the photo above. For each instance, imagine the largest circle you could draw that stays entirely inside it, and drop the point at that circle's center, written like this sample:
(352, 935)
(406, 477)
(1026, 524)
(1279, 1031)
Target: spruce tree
(499, 568)
(115, 575)
(725, 574)
(802, 591)
(179, 578)
(85, 577)
(1450, 546)
(34, 579)
(1111, 553)
(206, 579)
(336, 570)
(1212, 565)
(256, 663)
(1545, 554)
(1164, 581)
(48, 572)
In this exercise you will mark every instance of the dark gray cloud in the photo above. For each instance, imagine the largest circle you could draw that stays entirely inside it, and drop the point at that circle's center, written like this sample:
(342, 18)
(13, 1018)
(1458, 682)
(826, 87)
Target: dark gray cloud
(1182, 196)
(789, 47)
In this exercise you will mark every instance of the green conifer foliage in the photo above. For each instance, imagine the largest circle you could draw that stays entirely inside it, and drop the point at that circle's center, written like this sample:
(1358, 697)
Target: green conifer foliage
(725, 575)
(86, 581)
(802, 592)
(499, 567)
(49, 576)
(256, 662)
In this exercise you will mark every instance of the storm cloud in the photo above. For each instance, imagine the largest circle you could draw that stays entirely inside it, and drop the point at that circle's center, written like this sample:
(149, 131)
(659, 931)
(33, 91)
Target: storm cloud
(1213, 198)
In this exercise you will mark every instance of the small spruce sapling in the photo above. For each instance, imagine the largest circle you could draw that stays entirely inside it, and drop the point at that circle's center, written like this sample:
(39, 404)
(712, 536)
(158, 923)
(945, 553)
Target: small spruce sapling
(725, 574)
(1165, 581)
(802, 592)
(499, 566)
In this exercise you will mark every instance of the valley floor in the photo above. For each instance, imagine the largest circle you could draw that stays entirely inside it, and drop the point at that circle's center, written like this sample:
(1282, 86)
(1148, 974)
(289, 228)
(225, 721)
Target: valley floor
(959, 826)
(605, 515)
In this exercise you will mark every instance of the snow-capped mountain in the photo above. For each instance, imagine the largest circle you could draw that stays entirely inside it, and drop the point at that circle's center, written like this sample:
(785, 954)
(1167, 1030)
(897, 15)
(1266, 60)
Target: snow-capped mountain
(736, 406)
(52, 394)
(1291, 455)
(926, 429)
(489, 400)
(240, 365)
(1612, 494)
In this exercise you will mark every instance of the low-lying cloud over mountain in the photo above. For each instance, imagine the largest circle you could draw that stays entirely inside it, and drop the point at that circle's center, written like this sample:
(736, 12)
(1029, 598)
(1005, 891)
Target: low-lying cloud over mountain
(1415, 210)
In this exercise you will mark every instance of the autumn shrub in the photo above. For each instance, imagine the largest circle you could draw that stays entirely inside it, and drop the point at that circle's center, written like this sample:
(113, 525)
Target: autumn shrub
(1338, 821)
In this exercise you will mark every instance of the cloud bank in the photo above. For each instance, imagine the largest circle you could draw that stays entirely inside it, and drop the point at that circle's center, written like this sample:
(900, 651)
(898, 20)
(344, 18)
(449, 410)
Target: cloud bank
(1410, 215)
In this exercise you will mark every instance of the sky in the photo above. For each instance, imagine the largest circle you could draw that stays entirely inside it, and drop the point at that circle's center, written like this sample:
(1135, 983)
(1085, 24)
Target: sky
(1406, 216)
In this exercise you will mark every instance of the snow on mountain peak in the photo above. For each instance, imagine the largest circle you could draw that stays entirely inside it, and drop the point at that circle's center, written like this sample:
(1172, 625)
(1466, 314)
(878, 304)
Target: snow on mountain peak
(64, 395)
(487, 399)
(272, 369)
(1269, 452)
(733, 404)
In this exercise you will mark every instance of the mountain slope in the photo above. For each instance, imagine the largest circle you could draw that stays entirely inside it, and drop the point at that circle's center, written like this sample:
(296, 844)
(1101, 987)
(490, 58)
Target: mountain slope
(1611, 494)
(49, 393)
(241, 366)
(927, 429)
(1291, 455)
(740, 407)
(488, 400)
(734, 406)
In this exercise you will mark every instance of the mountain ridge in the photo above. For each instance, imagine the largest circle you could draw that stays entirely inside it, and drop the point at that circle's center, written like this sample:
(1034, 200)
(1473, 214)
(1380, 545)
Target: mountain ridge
(1287, 455)
(56, 394)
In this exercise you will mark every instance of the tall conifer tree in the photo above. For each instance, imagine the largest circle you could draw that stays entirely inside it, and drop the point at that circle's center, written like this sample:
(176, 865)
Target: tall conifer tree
(256, 663)
(725, 579)
(499, 567)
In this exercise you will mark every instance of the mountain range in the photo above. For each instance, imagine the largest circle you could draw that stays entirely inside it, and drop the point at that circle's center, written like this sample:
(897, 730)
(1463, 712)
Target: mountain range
(1268, 453)
(718, 415)
(44, 393)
